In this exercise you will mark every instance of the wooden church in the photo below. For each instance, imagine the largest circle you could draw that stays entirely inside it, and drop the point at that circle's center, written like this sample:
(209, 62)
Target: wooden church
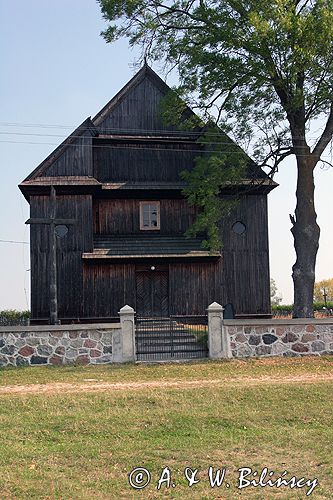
(119, 218)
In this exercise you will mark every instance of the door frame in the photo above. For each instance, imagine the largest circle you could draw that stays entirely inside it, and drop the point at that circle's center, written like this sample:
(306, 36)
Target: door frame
(147, 268)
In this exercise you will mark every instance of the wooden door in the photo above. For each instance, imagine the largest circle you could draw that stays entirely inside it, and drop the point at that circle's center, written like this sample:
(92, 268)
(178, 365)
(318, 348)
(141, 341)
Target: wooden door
(152, 293)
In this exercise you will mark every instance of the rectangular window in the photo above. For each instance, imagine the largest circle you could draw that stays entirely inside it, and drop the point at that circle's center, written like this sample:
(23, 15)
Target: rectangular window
(149, 215)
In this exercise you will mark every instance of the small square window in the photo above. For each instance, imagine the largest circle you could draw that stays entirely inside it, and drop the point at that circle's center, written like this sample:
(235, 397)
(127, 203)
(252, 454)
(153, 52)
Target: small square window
(149, 215)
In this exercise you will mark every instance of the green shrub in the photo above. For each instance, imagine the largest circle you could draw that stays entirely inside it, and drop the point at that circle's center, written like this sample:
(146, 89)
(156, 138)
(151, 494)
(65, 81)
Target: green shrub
(320, 305)
(10, 317)
(283, 307)
(317, 306)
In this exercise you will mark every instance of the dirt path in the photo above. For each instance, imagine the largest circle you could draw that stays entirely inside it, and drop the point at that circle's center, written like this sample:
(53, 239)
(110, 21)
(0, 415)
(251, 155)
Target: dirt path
(92, 386)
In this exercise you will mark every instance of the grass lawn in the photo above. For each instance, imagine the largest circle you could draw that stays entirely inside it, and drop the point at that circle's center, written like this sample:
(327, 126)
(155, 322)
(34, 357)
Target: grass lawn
(274, 413)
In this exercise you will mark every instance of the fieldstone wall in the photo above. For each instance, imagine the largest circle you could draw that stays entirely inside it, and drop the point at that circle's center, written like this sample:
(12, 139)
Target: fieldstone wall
(288, 338)
(57, 345)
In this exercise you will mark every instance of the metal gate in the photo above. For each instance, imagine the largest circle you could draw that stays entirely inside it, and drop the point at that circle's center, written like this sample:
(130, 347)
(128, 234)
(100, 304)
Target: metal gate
(173, 337)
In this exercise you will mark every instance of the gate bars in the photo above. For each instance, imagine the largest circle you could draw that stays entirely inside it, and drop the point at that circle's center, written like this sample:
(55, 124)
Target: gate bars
(171, 338)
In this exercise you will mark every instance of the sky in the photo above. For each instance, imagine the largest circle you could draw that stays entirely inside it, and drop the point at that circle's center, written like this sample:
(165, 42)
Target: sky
(56, 70)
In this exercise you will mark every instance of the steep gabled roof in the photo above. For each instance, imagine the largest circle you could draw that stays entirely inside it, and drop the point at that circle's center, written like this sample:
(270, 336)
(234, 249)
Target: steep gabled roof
(144, 72)
(86, 126)
(150, 83)
(103, 116)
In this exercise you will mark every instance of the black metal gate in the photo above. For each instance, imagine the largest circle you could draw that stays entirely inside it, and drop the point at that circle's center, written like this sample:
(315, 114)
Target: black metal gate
(173, 337)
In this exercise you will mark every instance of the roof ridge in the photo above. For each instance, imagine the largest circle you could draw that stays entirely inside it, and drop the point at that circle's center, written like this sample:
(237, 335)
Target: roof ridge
(132, 83)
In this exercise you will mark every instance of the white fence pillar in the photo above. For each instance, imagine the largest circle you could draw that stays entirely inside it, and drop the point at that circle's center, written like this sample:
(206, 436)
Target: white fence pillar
(218, 338)
(123, 344)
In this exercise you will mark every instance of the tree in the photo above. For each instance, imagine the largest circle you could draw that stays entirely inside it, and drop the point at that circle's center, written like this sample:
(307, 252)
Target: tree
(266, 68)
(275, 298)
(321, 288)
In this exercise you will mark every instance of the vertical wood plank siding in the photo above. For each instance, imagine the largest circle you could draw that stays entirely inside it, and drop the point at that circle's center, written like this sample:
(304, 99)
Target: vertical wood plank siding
(140, 111)
(107, 288)
(137, 162)
(242, 274)
(193, 287)
(77, 159)
(122, 216)
(69, 255)
(246, 257)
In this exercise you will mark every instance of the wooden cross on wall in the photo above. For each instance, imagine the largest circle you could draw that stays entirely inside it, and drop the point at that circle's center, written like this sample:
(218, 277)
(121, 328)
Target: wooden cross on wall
(53, 222)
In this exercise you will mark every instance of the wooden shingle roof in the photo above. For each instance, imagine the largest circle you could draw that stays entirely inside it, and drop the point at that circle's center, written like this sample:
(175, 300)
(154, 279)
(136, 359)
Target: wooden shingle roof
(143, 246)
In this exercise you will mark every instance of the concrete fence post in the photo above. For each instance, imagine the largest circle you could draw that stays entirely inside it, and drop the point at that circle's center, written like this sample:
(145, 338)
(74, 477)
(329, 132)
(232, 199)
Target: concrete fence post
(123, 341)
(218, 338)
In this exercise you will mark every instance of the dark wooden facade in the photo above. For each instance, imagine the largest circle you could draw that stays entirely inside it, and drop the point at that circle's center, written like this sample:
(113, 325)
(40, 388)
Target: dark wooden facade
(101, 173)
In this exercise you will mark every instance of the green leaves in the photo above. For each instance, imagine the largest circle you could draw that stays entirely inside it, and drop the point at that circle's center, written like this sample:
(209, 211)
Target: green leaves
(13, 317)
(225, 167)
(257, 56)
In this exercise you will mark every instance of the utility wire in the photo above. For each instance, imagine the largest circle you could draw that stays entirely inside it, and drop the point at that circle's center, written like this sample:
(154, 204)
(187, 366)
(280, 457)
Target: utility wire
(106, 129)
(142, 137)
(119, 131)
(113, 129)
(126, 147)
(145, 135)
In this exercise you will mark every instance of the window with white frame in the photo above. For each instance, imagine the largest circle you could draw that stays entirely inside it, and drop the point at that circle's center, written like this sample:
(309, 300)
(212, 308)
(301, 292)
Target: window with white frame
(149, 215)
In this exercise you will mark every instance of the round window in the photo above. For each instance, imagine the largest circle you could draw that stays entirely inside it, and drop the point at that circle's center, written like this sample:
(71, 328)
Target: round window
(61, 231)
(239, 227)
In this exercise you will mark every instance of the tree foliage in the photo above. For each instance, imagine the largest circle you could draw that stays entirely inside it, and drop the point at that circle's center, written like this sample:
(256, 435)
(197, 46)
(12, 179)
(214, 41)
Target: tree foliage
(14, 317)
(252, 63)
(221, 167)
(276, 298)
(263, 71)
(321, 287)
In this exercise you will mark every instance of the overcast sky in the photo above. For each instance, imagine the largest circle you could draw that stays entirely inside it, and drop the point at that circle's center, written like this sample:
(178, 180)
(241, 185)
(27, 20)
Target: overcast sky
(57, 70)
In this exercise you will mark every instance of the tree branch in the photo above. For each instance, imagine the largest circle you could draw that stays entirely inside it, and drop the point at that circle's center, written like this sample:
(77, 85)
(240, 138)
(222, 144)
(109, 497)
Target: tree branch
(173, 10)
(277, 157)
(327, 163)
(325, 138)
(315, 103)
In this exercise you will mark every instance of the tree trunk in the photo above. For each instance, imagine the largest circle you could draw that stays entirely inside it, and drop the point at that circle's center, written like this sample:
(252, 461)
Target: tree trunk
(306, 233)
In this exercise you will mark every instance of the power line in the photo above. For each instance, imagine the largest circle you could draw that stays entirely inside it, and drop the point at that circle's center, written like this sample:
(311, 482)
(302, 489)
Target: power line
(118, 131)
(133, 148)
(125, 147)
(144, 137)
(111, 130)
(36, 125)
(116, 135)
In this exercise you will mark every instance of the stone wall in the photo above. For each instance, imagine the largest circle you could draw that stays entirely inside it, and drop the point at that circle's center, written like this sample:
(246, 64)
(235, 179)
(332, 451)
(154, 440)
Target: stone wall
(288, 338)
(115, 343)
(58, 345)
